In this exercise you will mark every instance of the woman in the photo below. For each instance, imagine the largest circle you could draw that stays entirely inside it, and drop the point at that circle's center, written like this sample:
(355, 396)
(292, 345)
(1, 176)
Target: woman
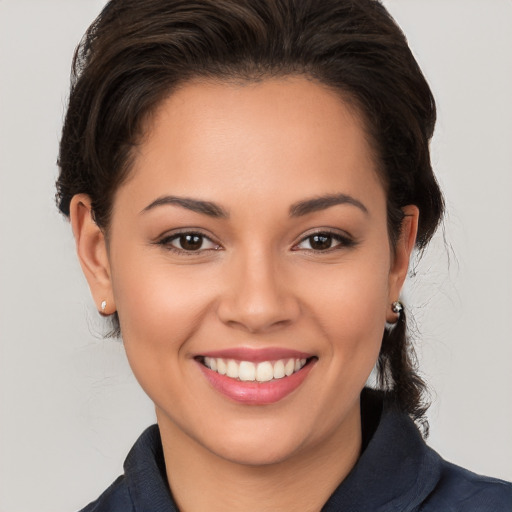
(246, 182)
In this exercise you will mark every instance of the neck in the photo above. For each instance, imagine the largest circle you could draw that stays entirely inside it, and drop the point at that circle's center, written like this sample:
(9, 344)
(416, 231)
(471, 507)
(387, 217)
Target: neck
(203, 481)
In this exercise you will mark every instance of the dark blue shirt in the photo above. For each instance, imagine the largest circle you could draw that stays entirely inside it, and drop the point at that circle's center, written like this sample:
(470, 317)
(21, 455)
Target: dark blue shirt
(397, 472)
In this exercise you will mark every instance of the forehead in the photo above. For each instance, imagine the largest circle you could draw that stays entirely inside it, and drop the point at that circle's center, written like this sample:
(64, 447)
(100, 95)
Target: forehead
(290, 136)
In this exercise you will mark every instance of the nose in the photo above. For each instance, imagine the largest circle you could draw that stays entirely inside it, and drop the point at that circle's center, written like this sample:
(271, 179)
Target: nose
(258, 295)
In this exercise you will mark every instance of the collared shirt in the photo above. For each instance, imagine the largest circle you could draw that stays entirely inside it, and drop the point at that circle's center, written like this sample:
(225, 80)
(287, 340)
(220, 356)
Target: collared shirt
(397, 472)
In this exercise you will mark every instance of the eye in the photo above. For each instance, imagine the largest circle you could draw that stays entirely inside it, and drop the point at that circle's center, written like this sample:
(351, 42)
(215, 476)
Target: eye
(188, 242)
(324, 241)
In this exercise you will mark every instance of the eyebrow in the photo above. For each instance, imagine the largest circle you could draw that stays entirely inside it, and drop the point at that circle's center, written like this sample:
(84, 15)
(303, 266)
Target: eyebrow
(323, 202)
(296, 210)
(196, 205)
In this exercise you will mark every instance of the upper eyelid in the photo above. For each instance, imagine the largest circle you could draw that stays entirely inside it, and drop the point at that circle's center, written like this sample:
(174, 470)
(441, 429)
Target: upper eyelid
(186, 231)
(327, 230)
(302, 237)
(344, 239)
(166, 241)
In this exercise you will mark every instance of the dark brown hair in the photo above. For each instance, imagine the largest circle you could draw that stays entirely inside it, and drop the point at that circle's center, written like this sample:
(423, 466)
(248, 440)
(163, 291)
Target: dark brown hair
(137, 51)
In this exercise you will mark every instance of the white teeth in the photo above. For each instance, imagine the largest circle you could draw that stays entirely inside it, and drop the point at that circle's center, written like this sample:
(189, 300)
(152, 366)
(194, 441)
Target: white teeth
(249, 372)
(265, 372)
(221, 366)
(232, 369)
(279, 370)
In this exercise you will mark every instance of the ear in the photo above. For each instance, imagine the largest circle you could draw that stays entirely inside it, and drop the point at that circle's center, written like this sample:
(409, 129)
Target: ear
(402, 255)
(92, 252)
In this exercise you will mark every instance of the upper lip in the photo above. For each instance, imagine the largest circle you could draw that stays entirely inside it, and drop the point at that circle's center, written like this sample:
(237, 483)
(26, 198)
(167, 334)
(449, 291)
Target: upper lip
(256, 355)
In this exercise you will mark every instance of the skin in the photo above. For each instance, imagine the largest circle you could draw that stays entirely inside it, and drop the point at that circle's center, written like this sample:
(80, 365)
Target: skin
(255, 150)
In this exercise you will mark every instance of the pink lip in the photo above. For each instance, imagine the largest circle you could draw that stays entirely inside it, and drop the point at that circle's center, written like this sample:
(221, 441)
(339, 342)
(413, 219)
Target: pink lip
(257, 355)
(256, 393)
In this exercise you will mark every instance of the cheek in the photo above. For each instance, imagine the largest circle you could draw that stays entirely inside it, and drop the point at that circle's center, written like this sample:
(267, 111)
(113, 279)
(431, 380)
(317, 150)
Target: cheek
(353, 293)
(161, 295)
(159, 312)
(159, 307)
(350, 302)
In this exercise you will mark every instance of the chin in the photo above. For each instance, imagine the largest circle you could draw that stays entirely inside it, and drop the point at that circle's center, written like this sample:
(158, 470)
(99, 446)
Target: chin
(262, 452)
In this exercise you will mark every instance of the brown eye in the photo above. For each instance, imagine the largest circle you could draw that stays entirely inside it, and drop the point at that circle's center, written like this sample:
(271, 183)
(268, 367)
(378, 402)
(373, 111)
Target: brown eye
(320, 242)
(190, 242)
(324, 241)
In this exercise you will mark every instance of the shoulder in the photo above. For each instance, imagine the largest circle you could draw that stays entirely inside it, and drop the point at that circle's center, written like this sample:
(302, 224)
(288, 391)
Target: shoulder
(144, 483)
(115, 499)
(460, 490)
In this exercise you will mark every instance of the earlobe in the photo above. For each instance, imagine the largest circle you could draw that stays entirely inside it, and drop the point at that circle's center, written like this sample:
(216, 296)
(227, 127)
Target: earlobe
(92, 252)
(403, 250)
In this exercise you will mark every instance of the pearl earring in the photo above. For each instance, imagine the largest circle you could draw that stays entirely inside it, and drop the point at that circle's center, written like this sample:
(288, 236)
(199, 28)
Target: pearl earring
(103, 306)
(397, 307)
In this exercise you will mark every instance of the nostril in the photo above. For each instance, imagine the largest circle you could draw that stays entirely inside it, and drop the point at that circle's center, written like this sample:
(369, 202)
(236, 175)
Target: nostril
(254, 326)
(258, 312)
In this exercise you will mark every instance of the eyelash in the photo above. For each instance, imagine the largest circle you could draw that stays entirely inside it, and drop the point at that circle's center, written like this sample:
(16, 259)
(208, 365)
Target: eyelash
(343, 241)
(166, 242)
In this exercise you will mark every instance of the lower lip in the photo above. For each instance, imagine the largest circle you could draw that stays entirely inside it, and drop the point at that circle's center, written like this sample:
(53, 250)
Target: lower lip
(256, 393)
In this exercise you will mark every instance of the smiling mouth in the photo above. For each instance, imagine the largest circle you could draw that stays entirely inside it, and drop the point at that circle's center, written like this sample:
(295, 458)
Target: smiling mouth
(248, 371)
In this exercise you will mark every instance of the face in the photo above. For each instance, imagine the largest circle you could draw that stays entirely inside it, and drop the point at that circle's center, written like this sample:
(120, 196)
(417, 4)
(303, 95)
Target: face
(249, 262)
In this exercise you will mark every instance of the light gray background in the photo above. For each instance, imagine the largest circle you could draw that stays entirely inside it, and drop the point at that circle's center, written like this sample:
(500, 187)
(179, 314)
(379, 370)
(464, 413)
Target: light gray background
(70, 408)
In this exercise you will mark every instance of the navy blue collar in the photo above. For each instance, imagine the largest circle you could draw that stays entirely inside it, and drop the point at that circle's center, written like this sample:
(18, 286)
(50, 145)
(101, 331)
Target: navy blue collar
(145, 475)
(396, 470)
